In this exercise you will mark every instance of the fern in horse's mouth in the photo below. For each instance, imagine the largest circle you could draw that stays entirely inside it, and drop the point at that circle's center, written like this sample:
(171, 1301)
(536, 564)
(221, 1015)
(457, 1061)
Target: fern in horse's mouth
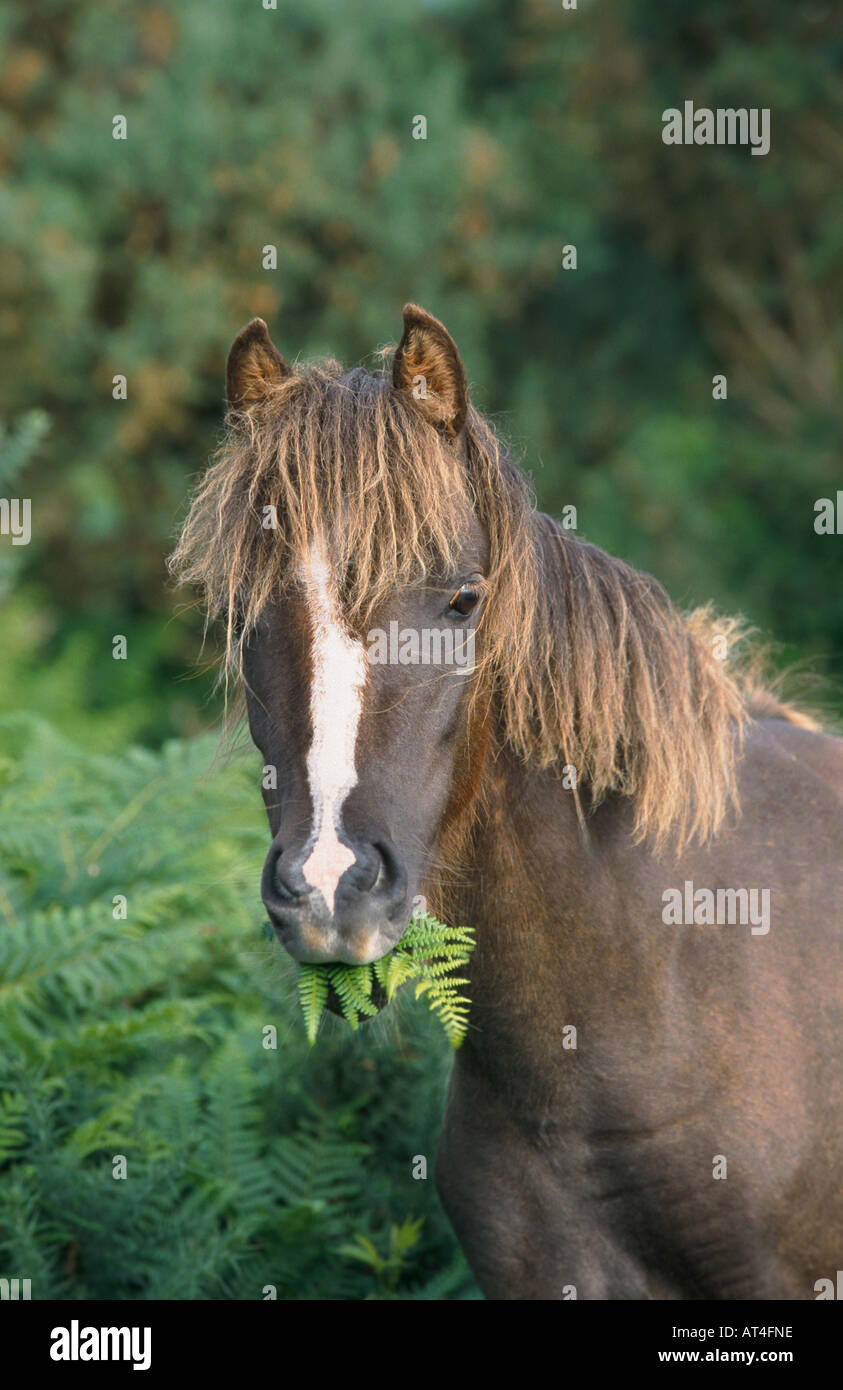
(428, 952)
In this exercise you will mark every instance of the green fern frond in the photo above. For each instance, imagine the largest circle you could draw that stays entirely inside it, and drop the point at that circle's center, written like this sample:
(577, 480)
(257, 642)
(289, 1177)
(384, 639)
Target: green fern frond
(393, 971)
(313, 993)
(353, 986)
(12, 1132)
(429, 952)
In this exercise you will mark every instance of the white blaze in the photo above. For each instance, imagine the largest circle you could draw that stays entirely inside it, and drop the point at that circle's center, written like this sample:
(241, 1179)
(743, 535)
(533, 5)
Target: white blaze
(336, 697)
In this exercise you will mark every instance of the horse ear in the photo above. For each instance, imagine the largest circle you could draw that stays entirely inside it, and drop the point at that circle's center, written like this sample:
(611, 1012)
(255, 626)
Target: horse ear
(428, 364)
(254, 365)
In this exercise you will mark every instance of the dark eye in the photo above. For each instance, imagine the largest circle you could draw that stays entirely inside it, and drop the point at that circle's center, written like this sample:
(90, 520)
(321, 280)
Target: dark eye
(464, 600)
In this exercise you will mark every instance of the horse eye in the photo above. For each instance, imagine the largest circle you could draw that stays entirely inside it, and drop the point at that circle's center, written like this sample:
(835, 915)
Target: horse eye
(464, 600)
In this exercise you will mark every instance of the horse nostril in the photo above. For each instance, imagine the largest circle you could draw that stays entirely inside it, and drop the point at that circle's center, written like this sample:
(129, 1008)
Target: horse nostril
(390, 879)
(280, 883)
(283, 890)
(382, 880)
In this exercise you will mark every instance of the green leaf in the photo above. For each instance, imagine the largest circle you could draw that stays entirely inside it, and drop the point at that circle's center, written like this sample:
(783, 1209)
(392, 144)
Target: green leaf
(313, 992)
(429, 952)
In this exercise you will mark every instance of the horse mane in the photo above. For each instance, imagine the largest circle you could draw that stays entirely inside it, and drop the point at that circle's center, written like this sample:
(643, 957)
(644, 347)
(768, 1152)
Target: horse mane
(586, 659)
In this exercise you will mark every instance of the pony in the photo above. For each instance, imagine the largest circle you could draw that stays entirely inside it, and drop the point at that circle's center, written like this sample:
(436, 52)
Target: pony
(649, 1101)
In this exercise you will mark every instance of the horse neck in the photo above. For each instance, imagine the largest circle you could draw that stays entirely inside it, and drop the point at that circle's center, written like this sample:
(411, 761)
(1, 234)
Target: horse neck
(541, 894)
(515, 865)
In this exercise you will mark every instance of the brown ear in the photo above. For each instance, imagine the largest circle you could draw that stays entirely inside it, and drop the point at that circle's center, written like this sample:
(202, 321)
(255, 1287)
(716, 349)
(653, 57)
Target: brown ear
(428, 365)
(254, 365)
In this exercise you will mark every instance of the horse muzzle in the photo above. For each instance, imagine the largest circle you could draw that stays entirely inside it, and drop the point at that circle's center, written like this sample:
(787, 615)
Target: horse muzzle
(364, 920)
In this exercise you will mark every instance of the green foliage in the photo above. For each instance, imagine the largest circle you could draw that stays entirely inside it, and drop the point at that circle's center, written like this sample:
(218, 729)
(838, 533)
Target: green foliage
(428, 952)
(292, 127)
(18, 446)
(313, 995)
(171, 1036)
(386, 1268)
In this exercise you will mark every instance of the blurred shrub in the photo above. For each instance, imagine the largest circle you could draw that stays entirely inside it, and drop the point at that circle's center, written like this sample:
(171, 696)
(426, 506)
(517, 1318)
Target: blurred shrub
(292, 127)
